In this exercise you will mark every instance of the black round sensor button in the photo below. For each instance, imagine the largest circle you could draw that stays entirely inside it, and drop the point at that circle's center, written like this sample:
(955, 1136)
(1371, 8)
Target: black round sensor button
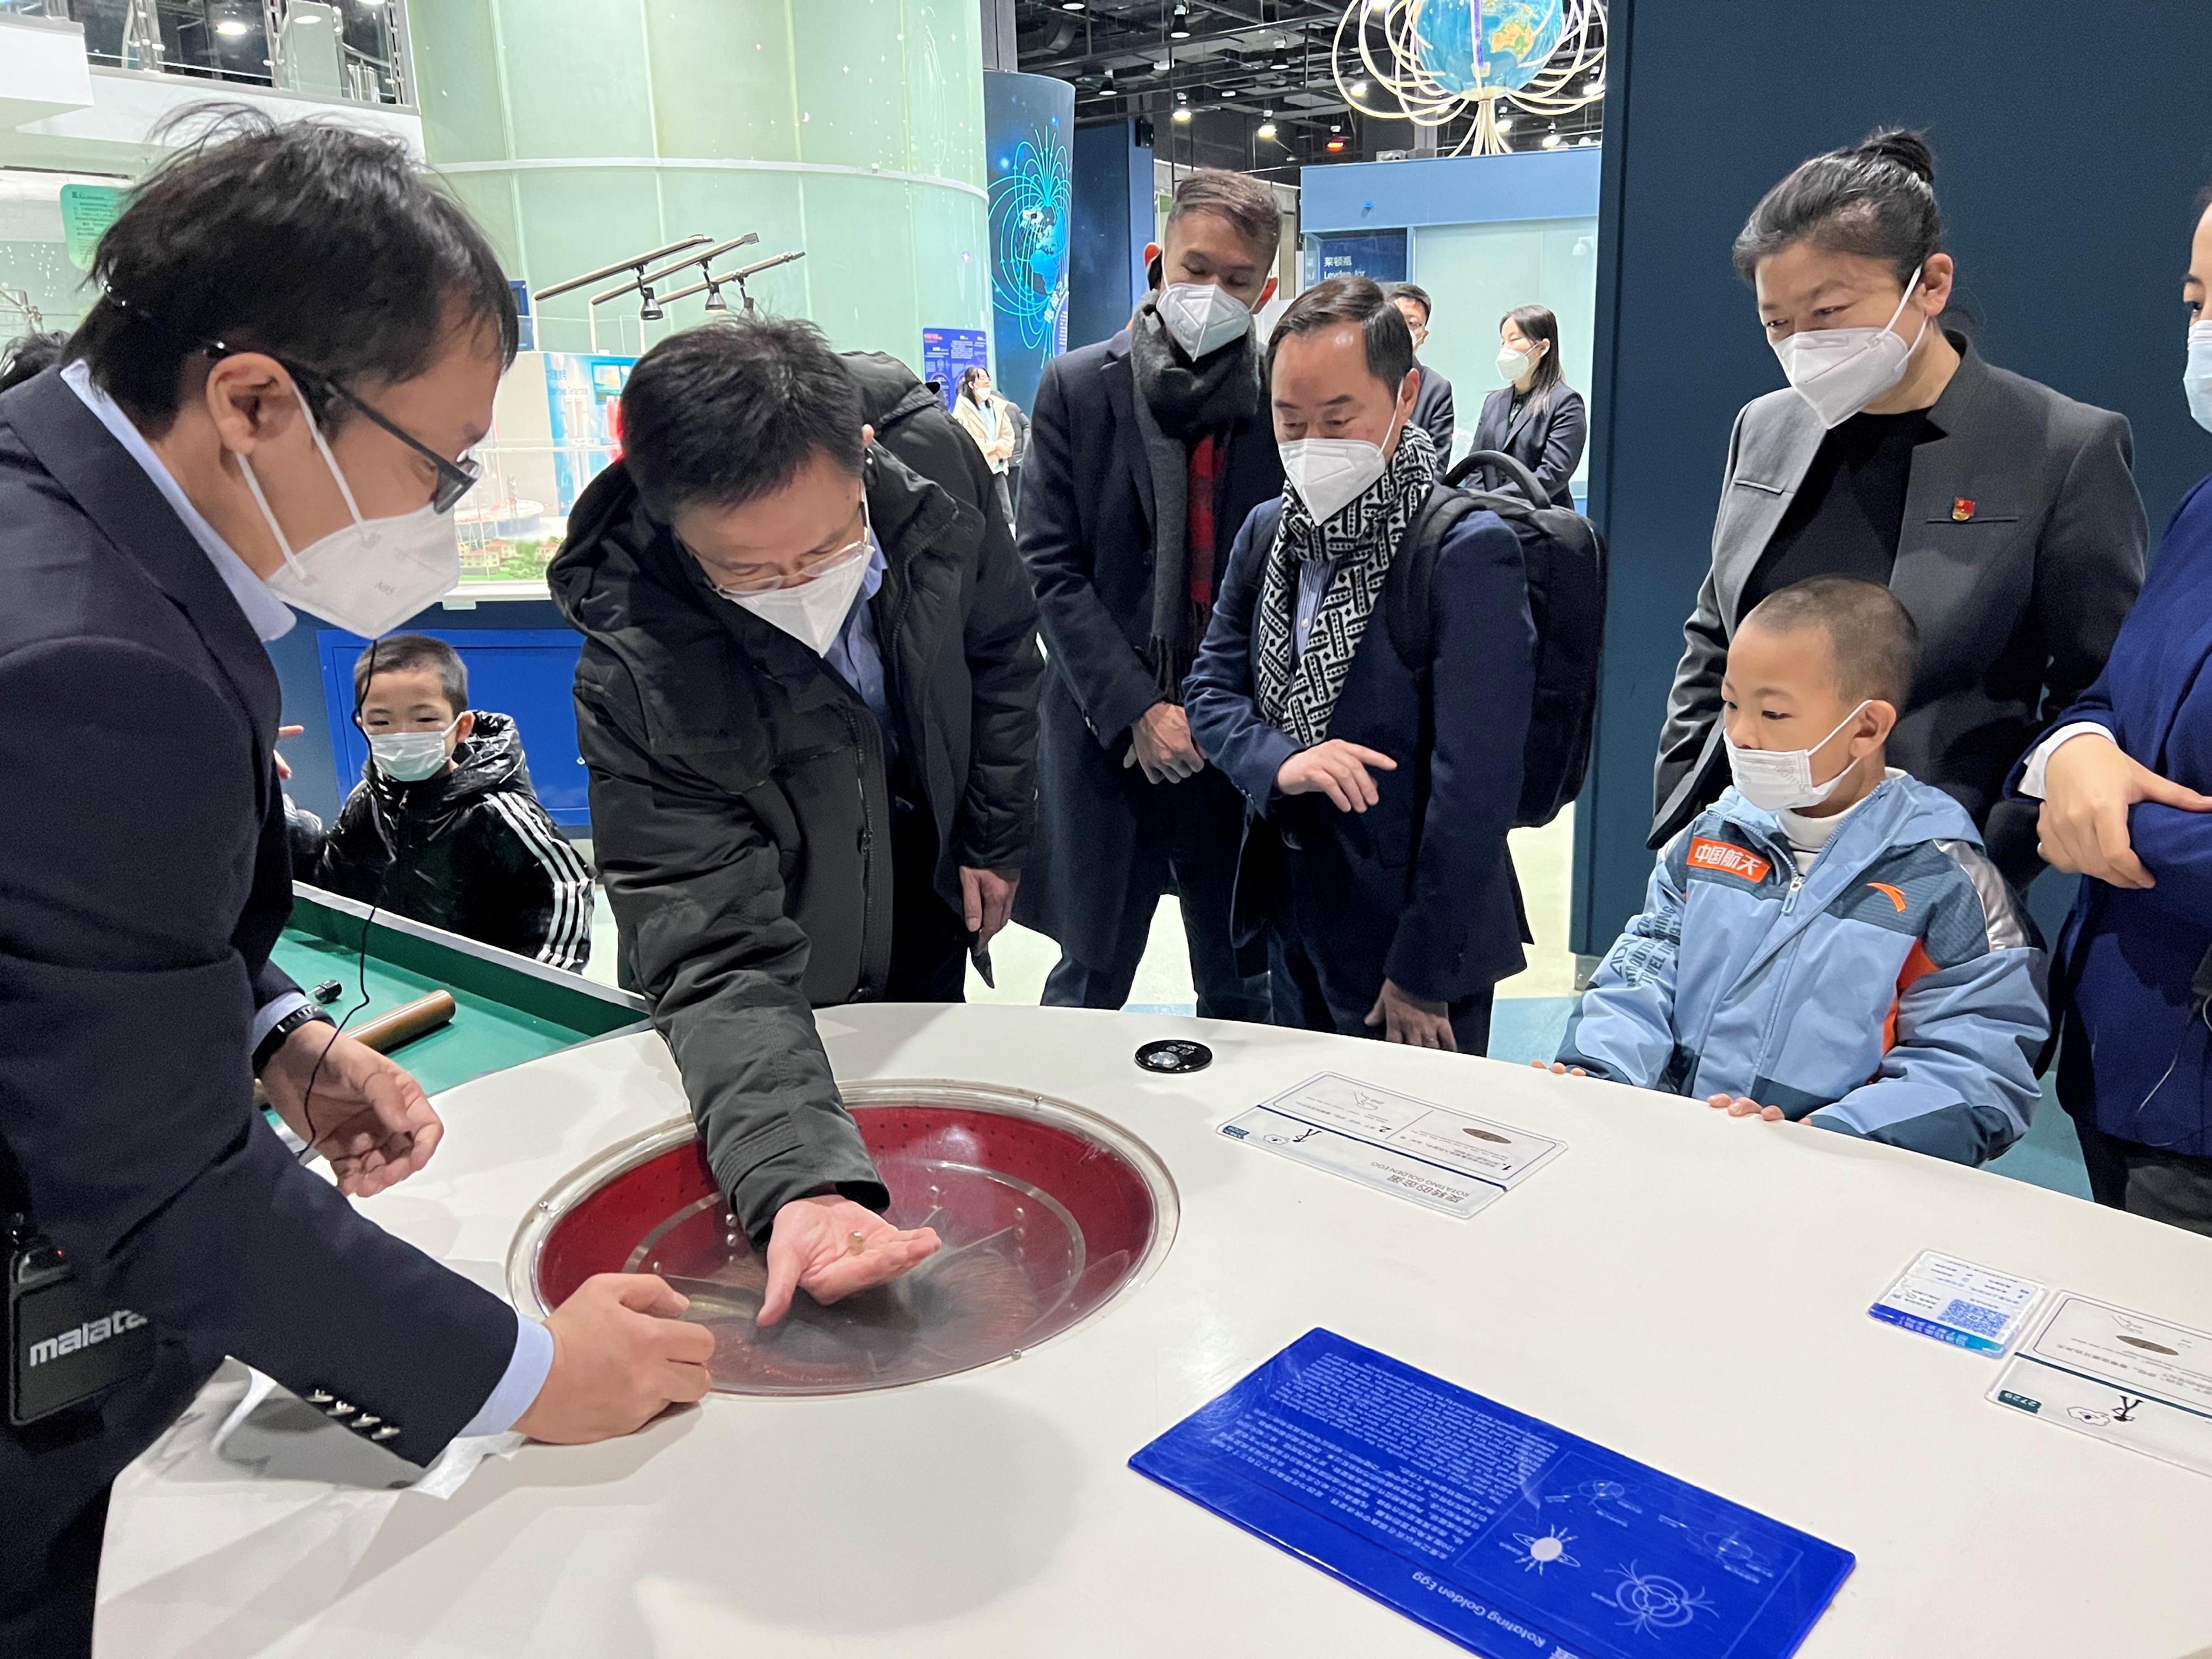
(1175, 1055)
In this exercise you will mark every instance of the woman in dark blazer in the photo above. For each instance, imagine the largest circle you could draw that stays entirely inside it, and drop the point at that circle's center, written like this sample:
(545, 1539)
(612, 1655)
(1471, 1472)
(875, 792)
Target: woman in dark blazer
(1536, 418)
(2134, 1066)
(2002, 514)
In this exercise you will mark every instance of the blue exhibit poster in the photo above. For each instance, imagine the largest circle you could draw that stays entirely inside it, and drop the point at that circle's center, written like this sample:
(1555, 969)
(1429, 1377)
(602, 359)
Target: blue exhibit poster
(583, 397)
(1028, 123)
(1380, 254)
(1514, 1539)
(946, 351)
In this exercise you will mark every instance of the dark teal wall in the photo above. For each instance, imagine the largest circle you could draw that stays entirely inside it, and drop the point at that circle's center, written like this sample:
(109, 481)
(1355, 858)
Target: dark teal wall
(1112, 191)
(2070, 142)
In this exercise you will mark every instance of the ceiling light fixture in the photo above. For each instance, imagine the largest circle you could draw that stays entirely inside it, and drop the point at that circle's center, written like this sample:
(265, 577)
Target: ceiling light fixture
(1182, 112)
(230, 29)
(1179, 24)
(1266, 128)
(1071, 5)
(1506, 123)
(1334, 147)
(1359, 88)
(1552, 139)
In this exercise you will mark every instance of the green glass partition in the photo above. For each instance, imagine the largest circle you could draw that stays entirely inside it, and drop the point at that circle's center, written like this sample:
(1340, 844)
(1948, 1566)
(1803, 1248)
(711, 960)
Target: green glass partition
(581, 131)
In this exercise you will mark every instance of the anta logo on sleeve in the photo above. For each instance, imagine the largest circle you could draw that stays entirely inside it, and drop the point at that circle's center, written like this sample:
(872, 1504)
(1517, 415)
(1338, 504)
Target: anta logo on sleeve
(91, 1333)
(1726, 859)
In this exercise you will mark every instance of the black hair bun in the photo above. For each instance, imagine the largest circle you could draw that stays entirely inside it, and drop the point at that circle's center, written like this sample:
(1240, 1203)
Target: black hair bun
(1907, 148)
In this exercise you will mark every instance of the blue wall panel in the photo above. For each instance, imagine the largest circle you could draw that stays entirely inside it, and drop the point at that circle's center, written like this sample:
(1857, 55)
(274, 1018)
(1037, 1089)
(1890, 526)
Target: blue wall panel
(2070, 233)
(1113, 196)
(521, 658)
(1451, 190)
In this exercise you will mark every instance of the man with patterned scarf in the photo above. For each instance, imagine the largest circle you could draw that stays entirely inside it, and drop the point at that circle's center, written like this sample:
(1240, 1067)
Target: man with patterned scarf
(1374, 864)
(1146, 452)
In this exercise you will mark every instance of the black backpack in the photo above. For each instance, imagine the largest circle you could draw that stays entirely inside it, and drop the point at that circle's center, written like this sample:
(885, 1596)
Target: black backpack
(1565, 560)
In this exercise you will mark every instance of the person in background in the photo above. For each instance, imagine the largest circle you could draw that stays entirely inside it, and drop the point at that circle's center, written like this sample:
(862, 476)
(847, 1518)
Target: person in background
(1536, 418)
(1373, 860)
(444, 826)
(988, 419)
(2125, 779)
(1148, 450)
(2003, 516)
(1021, 454)
(807, 699)
(1433, 408)
(213, 452)
(1828, 943)
(27, 354)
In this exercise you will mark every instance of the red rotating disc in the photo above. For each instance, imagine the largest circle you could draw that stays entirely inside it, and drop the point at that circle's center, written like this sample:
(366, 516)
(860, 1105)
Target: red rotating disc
(1041, 1221)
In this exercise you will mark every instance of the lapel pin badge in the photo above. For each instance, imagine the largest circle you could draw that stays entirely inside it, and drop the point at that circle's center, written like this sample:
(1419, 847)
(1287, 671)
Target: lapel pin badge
(1962, 509)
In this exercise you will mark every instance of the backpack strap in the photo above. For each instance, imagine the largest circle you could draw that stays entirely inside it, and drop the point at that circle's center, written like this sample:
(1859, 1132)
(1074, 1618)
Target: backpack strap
(1516, 471)
(1406, 611)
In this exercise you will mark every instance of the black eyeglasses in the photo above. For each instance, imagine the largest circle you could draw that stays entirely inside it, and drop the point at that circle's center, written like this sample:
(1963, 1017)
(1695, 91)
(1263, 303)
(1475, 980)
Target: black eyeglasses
(455, 478)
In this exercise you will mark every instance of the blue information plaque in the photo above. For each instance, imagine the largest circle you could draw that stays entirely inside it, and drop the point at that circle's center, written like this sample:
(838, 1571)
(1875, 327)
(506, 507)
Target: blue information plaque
(1511, 1537)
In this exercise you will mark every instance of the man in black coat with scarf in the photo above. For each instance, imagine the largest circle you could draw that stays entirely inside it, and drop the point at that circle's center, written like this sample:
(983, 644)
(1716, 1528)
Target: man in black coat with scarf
(1147, 451)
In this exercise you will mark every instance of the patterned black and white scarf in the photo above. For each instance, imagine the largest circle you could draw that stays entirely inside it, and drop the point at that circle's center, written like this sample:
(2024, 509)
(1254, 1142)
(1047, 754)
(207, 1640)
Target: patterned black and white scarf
(1298, 693)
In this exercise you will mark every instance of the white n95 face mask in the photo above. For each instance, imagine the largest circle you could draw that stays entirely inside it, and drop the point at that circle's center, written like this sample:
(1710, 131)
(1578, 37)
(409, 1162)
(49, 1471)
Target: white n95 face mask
(410, 756)
(2196, 378)
(814, 612)
(1511, 364)
(1781, 780)
(1203, 316)
(368, 576)
(1329, 474)
(1839, 371)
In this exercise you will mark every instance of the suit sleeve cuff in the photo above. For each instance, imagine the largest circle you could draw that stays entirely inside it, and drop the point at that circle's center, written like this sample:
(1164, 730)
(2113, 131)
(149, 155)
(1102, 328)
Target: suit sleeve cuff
(516, 1391)
(266, 1016)
(2039, 760)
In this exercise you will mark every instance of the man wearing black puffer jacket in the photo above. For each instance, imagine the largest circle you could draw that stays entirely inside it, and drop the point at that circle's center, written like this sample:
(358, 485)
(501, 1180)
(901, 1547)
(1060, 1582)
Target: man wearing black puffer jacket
(807, 699)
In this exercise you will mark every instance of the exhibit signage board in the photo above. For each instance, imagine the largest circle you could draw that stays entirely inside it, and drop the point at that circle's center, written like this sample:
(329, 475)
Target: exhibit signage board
(1497, 1531)
(946, 352)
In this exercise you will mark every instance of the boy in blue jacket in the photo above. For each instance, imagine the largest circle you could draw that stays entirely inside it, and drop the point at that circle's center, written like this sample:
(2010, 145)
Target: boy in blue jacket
(1828, 941)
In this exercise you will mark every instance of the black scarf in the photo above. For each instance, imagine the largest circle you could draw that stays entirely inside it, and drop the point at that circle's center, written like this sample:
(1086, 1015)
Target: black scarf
(1298, 693)
(1180, 400)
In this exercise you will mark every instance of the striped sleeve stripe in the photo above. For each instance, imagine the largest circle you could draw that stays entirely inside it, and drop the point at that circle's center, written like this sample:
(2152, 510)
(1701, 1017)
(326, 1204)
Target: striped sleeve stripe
(571, 926)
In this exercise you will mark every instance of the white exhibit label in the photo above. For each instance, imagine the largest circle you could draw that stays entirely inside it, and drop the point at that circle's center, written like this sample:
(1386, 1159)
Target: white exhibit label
(2121, 1376)
(1442, 1159)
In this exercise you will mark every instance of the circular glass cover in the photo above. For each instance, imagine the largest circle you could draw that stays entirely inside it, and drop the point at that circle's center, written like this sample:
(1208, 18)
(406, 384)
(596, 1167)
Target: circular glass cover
(1045, 1212)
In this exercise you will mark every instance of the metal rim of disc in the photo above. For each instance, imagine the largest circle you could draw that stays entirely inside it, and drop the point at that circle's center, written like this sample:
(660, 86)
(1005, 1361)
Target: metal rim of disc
(524, 1253)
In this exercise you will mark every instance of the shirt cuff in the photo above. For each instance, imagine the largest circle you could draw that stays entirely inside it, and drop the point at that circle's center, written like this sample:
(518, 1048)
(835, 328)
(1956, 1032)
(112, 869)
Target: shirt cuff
(266, 1016)
(517, 1391)
(2031, 780)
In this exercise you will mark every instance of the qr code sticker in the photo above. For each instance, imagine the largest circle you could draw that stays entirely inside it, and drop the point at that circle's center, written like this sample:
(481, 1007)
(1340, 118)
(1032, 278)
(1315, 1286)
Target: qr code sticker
(1968, 1317)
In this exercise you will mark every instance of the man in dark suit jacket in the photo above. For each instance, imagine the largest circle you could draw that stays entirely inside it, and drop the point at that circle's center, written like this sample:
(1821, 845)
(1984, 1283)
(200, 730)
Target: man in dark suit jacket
(1147, 451)
(141, 492)
(1432, 404)
(1375, 862)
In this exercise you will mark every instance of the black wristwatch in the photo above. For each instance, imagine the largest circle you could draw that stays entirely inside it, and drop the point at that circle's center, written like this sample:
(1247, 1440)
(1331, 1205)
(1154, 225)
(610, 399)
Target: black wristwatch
(308, 1014)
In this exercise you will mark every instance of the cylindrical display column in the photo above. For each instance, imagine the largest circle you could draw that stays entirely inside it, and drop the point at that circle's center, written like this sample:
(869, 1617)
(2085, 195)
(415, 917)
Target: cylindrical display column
(582, 130)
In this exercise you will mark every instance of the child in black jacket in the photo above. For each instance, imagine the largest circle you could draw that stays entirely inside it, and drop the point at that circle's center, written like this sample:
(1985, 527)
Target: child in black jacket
(445, 826)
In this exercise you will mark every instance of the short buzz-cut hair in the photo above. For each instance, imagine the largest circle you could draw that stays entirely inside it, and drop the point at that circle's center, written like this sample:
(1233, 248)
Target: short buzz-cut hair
(1872, 639)
(1248, 204)
(1418, 294)
(1355, 300)
(728, 412)
(406, 653)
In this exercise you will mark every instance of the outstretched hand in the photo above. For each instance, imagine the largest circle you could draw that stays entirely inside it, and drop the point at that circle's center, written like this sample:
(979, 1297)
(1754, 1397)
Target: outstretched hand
(829, 1247)
(1338, 769)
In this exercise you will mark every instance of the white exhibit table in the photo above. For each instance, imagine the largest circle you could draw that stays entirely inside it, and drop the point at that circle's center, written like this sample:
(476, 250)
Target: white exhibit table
(1685, 1288)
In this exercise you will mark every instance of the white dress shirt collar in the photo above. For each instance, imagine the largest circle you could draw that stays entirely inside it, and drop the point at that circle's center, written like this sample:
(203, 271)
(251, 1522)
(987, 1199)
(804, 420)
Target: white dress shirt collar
(267, 616)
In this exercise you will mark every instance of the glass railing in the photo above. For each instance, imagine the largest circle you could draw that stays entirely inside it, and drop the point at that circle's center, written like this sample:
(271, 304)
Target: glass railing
(346, 51)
